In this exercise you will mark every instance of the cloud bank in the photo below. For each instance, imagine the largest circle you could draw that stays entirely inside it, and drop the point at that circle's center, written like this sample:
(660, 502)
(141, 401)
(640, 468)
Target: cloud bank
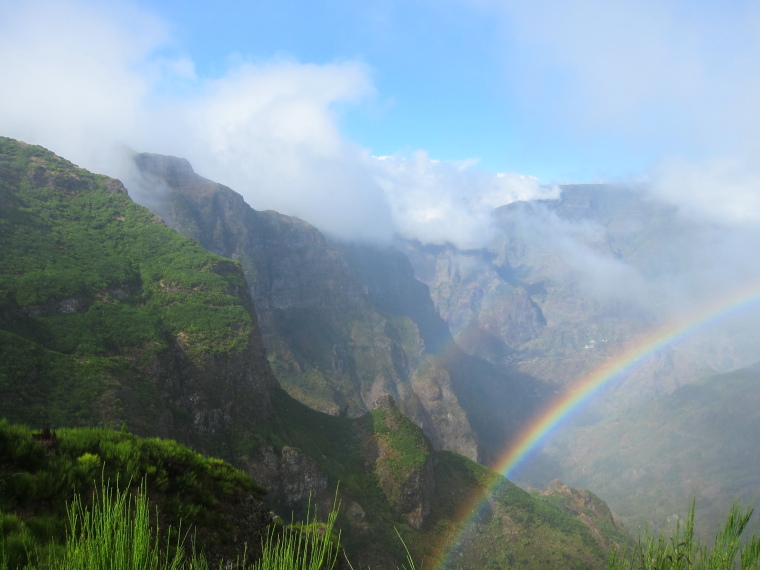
(88, 79)
(439, 202)
(671, 79)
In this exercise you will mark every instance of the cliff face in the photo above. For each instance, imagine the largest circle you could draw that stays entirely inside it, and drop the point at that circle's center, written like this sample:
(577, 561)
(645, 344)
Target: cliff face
(101, 305)
(331, 344)
(566, 284)
(346, 323)
(497, 401)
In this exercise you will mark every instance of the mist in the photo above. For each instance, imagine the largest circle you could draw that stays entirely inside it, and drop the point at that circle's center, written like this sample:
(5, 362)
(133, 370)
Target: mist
(268, 129)
(95, 82)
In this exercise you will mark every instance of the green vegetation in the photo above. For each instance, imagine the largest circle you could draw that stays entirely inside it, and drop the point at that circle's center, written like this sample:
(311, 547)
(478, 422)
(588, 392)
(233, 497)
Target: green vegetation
(114, 533)
(117, 532)
(111, 526)
(649, 459)
(683, 550)
(402, 443)
(92, 288)
(510, 528)
(310, 547)
(339, 445)
(41, 472)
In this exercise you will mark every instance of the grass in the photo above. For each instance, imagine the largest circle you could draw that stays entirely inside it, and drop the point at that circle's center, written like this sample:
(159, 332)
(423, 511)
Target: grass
(683, 550)
(308, 547)
(115, 533)
(40, 474)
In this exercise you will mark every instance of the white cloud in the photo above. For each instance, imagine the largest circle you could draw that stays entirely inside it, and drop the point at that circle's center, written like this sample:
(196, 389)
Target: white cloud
(70, 73)
(270, 132)
(84, 78)
(439, 202)
(718, 190)
(573, 253)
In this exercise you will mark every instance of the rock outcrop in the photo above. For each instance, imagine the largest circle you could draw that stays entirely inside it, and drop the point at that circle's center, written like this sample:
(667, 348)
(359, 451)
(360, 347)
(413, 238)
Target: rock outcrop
(403, 463)
(288, 474)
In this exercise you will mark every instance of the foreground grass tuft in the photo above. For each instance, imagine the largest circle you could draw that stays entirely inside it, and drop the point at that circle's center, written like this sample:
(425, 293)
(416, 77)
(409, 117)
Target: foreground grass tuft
(683, 551)
(115, 533)
(309, 547)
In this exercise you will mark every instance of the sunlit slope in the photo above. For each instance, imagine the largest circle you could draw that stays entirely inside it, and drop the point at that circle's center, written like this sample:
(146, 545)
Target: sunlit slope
(109, 317)
(649, 460)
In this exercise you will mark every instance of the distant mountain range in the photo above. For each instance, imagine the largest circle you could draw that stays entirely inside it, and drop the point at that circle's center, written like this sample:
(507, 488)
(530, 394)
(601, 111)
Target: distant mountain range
(110, 318)
(651, 459)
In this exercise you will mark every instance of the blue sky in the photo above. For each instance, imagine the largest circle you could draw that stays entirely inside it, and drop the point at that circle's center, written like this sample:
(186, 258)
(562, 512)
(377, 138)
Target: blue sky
(474, 103)
(495, 80)
(446, 79)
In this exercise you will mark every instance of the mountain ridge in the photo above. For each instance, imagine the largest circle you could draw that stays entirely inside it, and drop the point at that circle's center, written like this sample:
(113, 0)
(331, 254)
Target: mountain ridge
(148, 331)
(328, 343)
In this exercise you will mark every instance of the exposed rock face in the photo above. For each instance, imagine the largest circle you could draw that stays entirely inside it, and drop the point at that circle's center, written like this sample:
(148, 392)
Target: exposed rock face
(288, 262)
(392, 285)
(216, 391)
(452, 376)
(289, 474)
(559, 290)
(329, 346)
(385, 402)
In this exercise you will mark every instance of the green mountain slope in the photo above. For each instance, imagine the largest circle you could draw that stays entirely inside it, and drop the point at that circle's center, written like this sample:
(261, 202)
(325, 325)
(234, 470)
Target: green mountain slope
(651, 459)
(391, 478)
(329, 344)
(108, 316)
(345, 323)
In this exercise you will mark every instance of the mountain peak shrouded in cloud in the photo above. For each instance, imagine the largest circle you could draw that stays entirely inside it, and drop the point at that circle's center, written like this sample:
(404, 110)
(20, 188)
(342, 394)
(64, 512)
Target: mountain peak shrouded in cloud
(269, 130)
(439, 202)
(668, 82)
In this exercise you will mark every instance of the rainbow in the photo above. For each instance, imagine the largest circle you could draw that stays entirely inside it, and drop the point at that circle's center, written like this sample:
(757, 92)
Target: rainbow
(583, 389)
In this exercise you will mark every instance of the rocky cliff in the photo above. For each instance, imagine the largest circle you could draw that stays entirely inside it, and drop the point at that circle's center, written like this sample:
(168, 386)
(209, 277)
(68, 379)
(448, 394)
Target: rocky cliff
(566, 284)
(332, 344)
